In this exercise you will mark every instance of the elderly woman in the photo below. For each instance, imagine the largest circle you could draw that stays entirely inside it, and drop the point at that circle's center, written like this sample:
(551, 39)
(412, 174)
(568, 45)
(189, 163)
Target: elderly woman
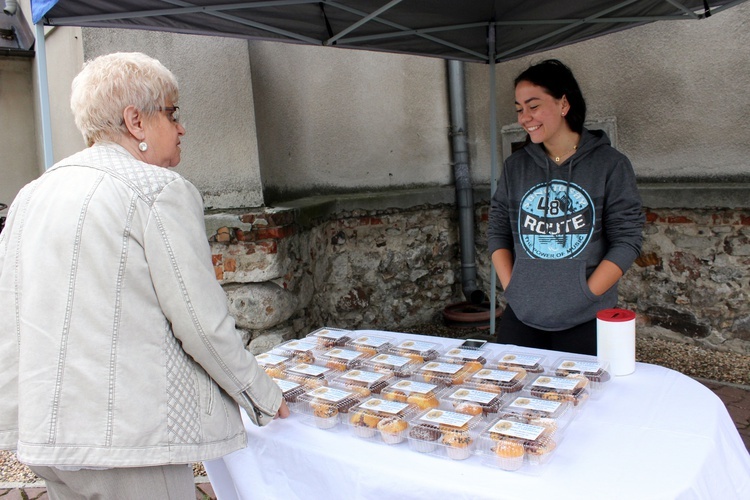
(120, 362)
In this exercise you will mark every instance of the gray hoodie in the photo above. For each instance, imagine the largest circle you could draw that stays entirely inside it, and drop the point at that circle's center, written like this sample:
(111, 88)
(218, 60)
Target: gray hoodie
(560, 222)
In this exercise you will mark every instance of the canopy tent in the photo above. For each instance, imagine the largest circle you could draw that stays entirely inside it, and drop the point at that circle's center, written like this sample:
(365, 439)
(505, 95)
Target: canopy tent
(449, 29)
(485, 31)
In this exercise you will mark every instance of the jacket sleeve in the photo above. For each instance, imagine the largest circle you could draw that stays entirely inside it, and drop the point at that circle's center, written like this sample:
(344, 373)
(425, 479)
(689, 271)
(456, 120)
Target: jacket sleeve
(623, 216)
(499, 231)
(179, 260)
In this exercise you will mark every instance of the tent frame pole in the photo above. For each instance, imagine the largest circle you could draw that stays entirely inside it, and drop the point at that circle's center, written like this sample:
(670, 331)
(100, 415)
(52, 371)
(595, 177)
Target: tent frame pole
(493, 164)
(44, 106)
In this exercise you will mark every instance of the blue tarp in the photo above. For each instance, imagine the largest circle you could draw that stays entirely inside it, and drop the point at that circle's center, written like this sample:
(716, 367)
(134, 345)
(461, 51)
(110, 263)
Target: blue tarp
(40, 7)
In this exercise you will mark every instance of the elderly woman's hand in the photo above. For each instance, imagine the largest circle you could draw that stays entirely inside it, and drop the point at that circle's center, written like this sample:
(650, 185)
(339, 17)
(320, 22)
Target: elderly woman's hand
(283, 410)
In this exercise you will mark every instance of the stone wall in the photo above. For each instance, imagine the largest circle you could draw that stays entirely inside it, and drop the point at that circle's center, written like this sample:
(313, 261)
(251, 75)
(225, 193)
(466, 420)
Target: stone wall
(290, 270)
(693, 276)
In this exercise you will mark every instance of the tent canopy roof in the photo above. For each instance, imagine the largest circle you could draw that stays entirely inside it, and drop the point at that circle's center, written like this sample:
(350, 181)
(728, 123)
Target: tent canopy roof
(450, 29)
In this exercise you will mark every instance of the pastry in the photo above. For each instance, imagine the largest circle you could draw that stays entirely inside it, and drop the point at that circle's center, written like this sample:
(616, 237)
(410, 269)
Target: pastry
(291, 395)
(304, 357)
(539, 451)
(423, 438)
(338, 365)
(392, 430)
(378, 386)
(510, 361)
(399, 396)
(457, 444)
(548, 423)
(468, 407)
(599, 375)
(509, 454)
(274, 372)
(346, 404)
(364, 423)
(326, 415)
(474, 366)
(359, 391)
(423, 401)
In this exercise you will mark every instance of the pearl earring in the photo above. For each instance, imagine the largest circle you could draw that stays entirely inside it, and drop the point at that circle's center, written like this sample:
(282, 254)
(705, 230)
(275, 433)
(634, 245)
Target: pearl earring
(143, 146)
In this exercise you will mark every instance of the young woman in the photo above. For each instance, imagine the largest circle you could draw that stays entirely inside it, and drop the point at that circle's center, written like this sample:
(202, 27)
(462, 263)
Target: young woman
(566, 220)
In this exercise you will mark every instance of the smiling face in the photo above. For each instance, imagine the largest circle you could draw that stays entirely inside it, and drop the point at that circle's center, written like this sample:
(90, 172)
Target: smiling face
(540, 114)
(163, 135)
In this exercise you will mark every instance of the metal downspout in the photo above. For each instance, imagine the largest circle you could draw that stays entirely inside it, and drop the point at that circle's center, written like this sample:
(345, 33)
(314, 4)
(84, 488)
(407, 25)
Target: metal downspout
(464, 193)
(44, 104)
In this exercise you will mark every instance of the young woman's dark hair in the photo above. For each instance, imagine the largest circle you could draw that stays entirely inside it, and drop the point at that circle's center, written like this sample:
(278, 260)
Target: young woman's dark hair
(557, 79)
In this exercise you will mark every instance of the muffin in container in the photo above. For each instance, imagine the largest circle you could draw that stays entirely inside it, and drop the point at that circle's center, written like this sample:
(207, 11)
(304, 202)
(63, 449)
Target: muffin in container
(327, 338)
(370, 344)
(417, 350)
(323, 407)
(444, 433)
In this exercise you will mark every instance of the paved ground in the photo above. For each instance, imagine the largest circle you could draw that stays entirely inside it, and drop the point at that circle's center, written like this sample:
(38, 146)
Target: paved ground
(735, 397)
(203, 491)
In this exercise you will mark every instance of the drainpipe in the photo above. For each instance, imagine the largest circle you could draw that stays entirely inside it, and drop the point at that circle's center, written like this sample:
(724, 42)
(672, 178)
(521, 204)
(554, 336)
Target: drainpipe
(464, 193)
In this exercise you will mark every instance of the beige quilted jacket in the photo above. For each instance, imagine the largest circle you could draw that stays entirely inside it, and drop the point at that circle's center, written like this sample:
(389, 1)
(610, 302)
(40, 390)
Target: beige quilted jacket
(117, 347)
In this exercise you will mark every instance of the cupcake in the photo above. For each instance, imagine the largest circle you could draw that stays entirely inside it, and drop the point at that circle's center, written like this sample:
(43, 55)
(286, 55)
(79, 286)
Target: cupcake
(364, 424)
(509, 454)
(539, 452)
(423, 438)
(392, 430)
(326, 415)
(457, 444)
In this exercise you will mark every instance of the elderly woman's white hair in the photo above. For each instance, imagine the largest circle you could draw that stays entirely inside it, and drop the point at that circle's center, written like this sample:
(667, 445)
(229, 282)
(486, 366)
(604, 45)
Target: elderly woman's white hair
(110, 83)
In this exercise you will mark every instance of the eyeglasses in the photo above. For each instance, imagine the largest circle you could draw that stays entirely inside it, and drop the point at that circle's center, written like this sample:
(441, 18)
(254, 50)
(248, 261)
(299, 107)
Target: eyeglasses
(174, 112)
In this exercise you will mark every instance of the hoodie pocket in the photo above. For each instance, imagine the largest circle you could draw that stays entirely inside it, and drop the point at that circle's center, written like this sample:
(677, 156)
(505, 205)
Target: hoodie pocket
(551, 294)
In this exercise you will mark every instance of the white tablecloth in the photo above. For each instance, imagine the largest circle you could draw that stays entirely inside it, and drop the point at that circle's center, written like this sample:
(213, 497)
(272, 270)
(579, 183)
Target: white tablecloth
(655, 434)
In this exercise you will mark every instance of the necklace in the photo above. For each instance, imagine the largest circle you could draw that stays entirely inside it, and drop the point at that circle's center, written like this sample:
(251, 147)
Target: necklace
(557, 158)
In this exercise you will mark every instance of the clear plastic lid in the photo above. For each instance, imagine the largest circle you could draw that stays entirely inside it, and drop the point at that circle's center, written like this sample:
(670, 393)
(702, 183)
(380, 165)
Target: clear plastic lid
(418, 350)
(323, 406)
(273, 364)
(572, 389)
(370, 344)
(512, 360)
(381, 418)
(290, 390)
(400, 366)
(588, 366)
(511, 445)
(420, 394)
(536, 411)
(309, 375)
(444, 433)
(499, 381)
(327, 338)
(342, 359)
(471, 401)
(302, 350)
(473, 359)
(442, 373)
(356, 380)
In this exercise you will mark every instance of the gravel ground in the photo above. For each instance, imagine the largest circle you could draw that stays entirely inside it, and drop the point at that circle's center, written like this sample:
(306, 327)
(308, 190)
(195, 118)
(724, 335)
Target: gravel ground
(692, 360)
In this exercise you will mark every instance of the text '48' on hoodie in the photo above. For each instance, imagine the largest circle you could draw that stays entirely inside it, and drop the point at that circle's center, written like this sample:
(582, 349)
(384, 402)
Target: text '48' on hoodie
(560, 222)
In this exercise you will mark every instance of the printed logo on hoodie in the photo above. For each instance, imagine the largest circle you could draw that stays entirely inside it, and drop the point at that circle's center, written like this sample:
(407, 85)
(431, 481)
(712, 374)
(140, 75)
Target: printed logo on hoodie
(556, 220)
